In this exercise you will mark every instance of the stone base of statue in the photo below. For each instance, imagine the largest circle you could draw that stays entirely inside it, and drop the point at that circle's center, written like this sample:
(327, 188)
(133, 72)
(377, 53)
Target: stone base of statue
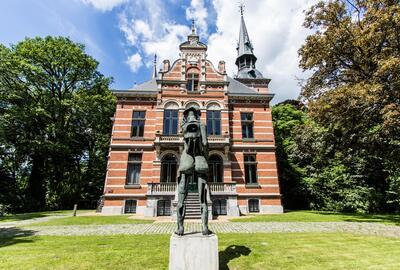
(193, 251)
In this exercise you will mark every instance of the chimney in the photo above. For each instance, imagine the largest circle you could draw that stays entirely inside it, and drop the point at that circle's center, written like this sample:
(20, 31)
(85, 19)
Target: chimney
(221, 67)
(165, 65)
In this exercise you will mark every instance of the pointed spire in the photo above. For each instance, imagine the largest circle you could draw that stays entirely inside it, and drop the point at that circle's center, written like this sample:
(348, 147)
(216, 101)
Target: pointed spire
(246, 60)
(244, 44)
(155, 66)
(193, 28)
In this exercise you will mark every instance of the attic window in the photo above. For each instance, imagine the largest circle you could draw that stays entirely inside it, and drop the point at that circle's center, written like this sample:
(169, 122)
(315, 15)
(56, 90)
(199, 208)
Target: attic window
(193, 82)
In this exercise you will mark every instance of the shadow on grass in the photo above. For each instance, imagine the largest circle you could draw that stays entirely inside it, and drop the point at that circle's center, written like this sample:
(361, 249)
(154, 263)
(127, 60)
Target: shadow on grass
(379, 218)
(24, 216)
(13, 235)
(230, 253)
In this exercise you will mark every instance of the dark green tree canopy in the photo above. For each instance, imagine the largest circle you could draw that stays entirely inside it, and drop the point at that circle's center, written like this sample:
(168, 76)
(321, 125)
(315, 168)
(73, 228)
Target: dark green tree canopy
(55, 119)
(346, 154)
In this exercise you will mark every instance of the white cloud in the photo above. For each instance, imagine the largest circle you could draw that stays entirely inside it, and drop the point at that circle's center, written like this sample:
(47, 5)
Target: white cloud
(275, 29)
(135, 62)
(104, 5)
(276, 32)
(151, 31)
(198, 12)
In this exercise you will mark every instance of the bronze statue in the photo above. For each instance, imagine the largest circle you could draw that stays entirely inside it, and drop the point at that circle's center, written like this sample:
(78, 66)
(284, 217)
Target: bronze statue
(193, 164)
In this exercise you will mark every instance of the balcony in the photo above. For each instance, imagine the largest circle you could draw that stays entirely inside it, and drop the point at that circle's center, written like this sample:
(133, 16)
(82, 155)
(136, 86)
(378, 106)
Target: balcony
(168, 139)
(161, 188)
(177, 140)
(223, 188)
(169, 188)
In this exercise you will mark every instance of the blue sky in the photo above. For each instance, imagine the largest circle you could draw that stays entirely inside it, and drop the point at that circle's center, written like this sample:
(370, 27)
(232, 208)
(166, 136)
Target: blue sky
(123, 35)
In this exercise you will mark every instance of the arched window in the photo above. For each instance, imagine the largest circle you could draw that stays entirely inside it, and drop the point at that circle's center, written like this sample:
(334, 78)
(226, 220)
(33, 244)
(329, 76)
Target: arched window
(213, 119)
(168, 169)
(215, 167)
(192, 104)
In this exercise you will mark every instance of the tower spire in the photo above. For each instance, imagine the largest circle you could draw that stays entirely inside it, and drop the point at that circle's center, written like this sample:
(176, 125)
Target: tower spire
(244, 44)
(193, 28)
(246, 60)
(155, 66)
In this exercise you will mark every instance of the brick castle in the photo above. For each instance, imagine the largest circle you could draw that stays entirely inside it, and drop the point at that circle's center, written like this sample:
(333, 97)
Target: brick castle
(146, 140)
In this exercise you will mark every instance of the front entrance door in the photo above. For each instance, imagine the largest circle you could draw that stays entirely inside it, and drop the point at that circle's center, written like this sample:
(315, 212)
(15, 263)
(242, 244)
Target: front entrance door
(193, 186)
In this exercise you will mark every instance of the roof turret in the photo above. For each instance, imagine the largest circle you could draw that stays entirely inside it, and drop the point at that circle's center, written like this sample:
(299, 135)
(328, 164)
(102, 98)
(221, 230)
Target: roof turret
(246, 60)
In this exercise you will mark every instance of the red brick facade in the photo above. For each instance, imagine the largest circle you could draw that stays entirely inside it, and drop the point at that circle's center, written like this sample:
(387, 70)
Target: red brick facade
(214, 91)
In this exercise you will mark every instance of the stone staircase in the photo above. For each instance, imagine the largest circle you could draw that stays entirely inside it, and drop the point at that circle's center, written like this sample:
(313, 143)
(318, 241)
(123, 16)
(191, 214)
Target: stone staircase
(193, 210)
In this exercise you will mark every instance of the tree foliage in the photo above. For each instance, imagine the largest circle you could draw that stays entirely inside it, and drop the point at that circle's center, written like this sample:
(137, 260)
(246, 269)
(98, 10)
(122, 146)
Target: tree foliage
(349, 150)
(55, 122)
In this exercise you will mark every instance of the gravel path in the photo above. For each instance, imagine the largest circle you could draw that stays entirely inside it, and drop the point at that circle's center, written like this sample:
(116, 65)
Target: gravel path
(222, 227)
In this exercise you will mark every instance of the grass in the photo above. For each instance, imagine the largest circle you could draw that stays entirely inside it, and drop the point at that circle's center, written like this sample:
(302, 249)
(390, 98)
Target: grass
(25, 216)
(237, 251)
(320, 216)
(91, 220)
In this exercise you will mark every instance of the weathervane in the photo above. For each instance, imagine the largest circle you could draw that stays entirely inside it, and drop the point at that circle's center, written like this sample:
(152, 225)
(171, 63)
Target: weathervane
(241, 8)
(193, 27)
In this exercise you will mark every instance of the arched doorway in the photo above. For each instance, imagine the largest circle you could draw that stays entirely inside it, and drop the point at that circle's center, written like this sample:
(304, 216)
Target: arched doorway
(216, 171)
(168, 169)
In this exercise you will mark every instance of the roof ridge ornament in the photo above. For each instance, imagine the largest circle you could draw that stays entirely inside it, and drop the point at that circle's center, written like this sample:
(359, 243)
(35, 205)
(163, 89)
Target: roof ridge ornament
(241, 8)
(155, 66)
(193, 28)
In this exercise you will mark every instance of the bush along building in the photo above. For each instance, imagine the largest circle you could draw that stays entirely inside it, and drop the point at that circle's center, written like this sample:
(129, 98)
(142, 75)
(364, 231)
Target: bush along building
(146, 141)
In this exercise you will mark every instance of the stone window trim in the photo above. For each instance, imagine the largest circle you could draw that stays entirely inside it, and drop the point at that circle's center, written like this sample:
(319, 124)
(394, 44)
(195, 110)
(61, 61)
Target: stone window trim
(216, 169)
(254, 205)
(247, 122)
(252, 185)
(130, 206)
(250, 168)
(138, 122)
(133, 169)
(169, 169)
(171, 122)
(214, 125)
(133, 186)
(193, 85)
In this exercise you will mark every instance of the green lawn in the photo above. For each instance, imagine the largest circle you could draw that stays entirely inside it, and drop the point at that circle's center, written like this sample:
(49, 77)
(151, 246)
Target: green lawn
(25, 216)
(319, 216)
(237, 251)
(91, 220)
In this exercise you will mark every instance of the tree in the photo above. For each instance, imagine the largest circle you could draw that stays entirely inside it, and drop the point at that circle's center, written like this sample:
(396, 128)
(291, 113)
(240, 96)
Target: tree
(354, 91)
(287, 116)
(55, 116)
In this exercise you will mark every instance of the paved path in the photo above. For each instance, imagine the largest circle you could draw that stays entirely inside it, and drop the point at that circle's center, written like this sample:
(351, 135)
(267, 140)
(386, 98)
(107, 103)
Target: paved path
(223, 227)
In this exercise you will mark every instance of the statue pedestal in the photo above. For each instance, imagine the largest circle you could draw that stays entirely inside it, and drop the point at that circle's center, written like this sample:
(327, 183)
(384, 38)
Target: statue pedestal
(193, 252)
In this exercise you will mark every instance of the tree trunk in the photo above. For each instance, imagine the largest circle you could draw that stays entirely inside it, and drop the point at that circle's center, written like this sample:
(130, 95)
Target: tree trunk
(36, 190)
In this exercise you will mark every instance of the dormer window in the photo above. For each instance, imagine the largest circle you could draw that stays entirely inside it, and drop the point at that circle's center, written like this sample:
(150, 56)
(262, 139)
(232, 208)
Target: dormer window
(193, 82)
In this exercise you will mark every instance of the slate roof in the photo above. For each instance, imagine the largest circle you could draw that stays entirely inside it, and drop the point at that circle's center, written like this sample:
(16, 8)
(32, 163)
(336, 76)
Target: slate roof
(234, 87)
(150, 85)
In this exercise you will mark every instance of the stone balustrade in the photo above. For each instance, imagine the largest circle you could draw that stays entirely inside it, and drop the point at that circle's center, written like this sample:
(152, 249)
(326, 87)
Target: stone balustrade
(178, 139)
(169, 188)
(222, 188)
(161, 188)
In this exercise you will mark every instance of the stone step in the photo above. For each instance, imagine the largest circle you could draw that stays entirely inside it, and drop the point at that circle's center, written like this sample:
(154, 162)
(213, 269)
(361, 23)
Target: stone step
(193, 207)
(194, 217)
(193, 212)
